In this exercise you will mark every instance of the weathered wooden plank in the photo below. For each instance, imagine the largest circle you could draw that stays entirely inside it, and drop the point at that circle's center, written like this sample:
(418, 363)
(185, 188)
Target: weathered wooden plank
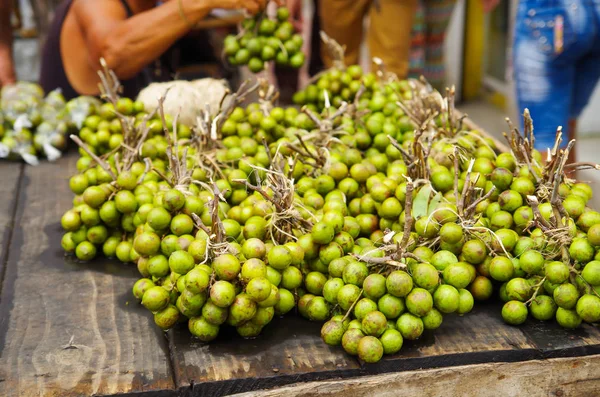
(68, 328)
(288, 350)
(571, 377)
(10, 175)
(552, 340)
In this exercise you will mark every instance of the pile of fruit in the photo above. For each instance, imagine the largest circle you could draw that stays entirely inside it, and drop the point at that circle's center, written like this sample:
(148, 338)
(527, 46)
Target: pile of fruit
(377, 216)
(32, 125)
(263, 39)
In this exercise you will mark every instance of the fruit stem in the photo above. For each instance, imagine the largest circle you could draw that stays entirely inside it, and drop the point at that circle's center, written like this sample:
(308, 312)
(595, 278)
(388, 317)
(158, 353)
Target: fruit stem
(352, 306)
(537, 287)
(97, 159)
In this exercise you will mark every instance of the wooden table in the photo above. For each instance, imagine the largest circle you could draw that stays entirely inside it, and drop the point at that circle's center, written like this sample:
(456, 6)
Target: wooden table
(72, 329)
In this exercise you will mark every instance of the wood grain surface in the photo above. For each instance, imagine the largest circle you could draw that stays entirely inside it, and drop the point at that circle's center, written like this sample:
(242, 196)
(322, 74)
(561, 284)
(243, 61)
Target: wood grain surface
(10, 177)
(572, 377)
(287, 351)
(68, 328)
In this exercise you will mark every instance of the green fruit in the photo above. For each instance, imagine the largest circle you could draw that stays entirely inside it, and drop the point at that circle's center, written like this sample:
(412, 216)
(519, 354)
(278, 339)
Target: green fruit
(588, 308)
(543, 308)
(370, 349)
(556, 272)
(331, 289)
(466, 302)
(347, 295)
(141, 286)
(432, 320)
(419, 301)
(457, 275)
(532, 262)
(355, 273)
(202, 329)
(501, 268)
(318, 309)
(332, 332)
(443, 259)
(374, 286)
(391, 306)
(425, 276)
(155, 299)
(567, 318)
(581, 250)
(351, 339)
(167, 317)
(392, 341)
(399, 283)
(474, 251)
(591, 273)
(446, 299)
(258, 289)
(566, 295)
(514, 312)
(222, 293)
(410, 326)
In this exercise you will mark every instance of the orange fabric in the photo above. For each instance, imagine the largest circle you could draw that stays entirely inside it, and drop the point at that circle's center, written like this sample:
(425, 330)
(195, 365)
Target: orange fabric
(389, 31)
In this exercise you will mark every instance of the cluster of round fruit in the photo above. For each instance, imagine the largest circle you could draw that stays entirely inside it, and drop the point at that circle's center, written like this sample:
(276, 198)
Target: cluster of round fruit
(31, 124)
(536, 270)
(336, 228)
(342, 85)
(102, 130)
(263, 39)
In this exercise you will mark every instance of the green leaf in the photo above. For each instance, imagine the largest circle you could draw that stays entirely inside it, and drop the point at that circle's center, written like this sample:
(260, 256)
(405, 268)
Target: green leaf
(434, 203)
(421, 202)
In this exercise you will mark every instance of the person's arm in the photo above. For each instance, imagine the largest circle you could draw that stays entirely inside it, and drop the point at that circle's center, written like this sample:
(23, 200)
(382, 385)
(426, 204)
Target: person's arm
(295, 7)
(7, 69)
(128, 45)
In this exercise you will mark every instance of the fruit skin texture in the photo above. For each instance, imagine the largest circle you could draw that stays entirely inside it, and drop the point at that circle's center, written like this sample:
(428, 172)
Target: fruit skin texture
(370, 349)
(588, 308)
(514, 312)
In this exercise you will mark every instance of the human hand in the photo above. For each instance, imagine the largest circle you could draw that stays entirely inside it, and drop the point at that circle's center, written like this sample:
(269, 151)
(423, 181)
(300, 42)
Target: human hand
(295, 7)
(489, 5)
(252, 6)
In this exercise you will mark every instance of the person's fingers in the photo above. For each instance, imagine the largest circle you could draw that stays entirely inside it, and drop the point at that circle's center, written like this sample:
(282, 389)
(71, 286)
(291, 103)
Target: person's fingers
(298, 24)
(252, 6)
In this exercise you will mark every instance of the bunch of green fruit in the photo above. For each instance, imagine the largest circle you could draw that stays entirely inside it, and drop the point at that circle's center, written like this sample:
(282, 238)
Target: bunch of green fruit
(264, 39)
(377, 216)
(33, 125)
(343, 84)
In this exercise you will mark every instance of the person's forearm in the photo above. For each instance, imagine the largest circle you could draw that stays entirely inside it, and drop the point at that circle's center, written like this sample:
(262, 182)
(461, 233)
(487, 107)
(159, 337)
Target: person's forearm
(137, 41)
(7, 71)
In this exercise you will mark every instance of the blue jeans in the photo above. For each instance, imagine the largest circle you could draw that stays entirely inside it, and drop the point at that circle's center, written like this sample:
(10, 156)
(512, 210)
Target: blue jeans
(556, 68)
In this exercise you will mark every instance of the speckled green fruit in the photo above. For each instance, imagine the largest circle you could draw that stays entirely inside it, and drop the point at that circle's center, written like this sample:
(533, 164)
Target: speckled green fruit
(167, 317)
(588, 308)
(399, 283)
(391, 341)
(419, 301)
(332, 332)
(370, 349)
(425, 275)
(514, 312)
(466, 302)
(446, 299)
(411, 327)
(202, 329)
(543, 308)
(155, 298)
(567, 318)
(351, 339)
